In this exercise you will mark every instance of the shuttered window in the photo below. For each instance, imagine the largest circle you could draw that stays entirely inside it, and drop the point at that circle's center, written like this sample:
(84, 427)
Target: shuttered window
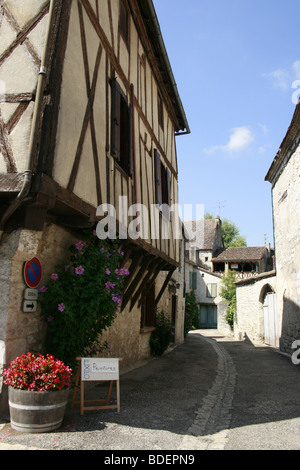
(162, 181)
(121, 123)
(148, 310)
(160, 110)
(193, 280)
(211, 290)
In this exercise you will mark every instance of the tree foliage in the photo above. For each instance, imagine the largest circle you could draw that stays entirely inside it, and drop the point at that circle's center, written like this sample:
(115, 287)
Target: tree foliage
(228, 293)
(230, 233)
(191, 310)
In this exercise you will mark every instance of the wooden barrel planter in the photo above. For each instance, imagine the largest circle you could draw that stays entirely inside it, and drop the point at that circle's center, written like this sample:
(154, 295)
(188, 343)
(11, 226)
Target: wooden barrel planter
(36, 412)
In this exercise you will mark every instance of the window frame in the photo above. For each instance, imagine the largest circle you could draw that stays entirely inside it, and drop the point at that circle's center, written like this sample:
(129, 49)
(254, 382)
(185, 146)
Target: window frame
(160, 111)
(211, 289)
(121, 129)
(162, 181)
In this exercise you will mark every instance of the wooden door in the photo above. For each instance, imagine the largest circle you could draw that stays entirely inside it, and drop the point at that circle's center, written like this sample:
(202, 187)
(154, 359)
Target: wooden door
(208, 317)
(271, 330)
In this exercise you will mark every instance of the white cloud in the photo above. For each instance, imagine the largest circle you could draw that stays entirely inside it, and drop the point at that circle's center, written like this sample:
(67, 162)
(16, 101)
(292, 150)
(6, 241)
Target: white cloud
(240, 138)
(296, 68)
(280, 78)
(283, 78)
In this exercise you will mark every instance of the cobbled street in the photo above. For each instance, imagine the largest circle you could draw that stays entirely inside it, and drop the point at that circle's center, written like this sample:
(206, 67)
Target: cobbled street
(210, 393)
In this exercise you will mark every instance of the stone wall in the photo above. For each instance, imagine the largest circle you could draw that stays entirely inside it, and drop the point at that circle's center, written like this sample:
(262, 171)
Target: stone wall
(286, 206)
(250, 316)
(22, 332)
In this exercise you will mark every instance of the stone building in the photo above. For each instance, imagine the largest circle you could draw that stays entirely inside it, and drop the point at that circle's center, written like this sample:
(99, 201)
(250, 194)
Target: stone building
(89, 112)
(205, 241)
(284, 178)
(256, 316)
(268, 305)
(246, 261)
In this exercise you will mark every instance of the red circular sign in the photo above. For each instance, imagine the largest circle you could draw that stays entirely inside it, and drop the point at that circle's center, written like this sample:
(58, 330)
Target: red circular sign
(33, 272)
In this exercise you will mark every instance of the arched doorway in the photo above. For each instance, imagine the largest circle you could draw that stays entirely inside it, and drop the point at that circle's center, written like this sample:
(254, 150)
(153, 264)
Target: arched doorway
(269, 303)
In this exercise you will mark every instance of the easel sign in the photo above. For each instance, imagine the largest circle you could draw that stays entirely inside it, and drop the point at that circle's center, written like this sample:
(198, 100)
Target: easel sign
(98, 370)
(94, 369)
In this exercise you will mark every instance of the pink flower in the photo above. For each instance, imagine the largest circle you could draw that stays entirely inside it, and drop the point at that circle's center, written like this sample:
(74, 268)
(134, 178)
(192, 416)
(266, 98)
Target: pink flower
(79, 270)
(79, 246)
(61, 307)
(107, 271)
(50, 319)
(54, 276)
(43, 289)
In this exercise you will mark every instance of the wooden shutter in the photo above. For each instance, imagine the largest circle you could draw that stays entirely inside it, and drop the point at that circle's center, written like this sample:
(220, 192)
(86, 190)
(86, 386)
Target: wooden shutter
(115, 119)
(190, 280)
(158, 185)
(131, 131)
(168, 176)
(212, 290)
(194, 286)
(193, 280)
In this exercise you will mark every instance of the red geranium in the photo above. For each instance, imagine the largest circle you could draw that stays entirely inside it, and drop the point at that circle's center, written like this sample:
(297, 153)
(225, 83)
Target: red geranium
(37, 373)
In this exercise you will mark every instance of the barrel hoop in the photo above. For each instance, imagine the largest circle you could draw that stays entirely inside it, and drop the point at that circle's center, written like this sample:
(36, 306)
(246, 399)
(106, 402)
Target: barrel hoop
(36, 426)
(37, 407)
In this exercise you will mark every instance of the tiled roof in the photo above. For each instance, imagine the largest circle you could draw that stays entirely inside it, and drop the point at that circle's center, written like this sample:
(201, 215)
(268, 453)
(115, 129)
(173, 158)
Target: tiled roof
(243, 253)
(288, 145)
(202, 233)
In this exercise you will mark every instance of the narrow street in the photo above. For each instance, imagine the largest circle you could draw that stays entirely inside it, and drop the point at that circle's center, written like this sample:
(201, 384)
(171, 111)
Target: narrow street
(211, 393)
(265, 406)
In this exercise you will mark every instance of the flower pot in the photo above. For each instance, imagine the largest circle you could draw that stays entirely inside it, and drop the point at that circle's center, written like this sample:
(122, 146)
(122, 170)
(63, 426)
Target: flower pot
(33, 412)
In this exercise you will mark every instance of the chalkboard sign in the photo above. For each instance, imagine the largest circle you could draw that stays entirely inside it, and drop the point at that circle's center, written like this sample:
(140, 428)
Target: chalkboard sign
(99, 369)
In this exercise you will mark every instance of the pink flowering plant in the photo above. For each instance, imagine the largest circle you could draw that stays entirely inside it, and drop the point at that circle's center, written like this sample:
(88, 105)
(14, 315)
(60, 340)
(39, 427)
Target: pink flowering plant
(82, 298)
(37, 373)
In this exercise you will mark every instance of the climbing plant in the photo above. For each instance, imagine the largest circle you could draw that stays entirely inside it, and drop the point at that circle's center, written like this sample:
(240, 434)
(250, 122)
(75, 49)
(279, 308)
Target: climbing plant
(228, 293)
(82, 297)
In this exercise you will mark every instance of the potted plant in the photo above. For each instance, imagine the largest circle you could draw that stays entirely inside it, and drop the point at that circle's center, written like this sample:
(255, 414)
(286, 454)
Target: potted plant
(38, 392)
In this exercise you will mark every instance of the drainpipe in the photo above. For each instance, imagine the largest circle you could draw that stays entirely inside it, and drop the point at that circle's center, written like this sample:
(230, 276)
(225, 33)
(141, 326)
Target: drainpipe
(28, 174)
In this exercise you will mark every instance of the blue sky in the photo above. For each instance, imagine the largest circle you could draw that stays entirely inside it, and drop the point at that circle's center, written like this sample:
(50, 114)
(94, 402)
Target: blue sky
(235, 63)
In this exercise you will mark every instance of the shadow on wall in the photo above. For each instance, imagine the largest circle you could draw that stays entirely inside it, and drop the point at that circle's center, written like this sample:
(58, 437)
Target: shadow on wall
(290, 330)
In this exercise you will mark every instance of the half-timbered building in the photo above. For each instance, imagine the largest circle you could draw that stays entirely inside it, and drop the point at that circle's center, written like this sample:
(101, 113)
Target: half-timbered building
(89, 112)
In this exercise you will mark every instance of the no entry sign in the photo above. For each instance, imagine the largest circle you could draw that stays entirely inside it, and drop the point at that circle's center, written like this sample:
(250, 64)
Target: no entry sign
(32, 272)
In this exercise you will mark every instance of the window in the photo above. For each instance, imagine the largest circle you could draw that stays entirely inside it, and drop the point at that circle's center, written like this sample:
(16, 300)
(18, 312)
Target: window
(148, 315)
(211, 291)
(124, 23)
(120, 128)
(162, 181)
(160, 111)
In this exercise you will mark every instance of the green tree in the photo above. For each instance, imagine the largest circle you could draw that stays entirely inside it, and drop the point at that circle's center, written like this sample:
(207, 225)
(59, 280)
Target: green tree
(230, 232)
(228, 294)
(191, 309)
